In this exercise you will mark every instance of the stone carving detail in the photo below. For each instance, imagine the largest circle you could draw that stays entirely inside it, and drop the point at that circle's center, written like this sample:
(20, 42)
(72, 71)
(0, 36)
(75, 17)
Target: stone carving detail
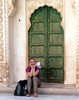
(3, 63)
(76, 8)
(1, 33)
(32, 5)
(11, 7)
(3, 73)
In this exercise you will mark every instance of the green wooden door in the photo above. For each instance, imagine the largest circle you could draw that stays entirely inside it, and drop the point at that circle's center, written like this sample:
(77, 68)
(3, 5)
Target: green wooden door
(46, 43)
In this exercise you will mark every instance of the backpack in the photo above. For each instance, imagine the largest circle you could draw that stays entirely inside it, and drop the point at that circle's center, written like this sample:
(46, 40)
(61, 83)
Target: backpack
(21, 88)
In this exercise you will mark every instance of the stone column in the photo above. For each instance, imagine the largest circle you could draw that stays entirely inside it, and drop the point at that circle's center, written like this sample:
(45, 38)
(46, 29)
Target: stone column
(70, 43)
(17, 40)
(20, 41)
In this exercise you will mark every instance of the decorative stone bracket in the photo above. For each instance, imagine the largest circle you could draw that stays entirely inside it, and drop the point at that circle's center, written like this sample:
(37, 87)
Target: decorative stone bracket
(11, 7)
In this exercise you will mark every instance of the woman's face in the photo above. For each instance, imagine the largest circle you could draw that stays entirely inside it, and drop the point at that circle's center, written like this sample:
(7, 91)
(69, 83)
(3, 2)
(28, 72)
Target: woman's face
(32, 62)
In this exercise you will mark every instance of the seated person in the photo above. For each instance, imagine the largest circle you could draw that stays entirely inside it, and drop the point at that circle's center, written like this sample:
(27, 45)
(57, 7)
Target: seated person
(33, 77)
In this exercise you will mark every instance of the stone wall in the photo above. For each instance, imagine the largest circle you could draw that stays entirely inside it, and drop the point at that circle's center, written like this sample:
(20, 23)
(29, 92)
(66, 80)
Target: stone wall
(3, 49)
(19, 24)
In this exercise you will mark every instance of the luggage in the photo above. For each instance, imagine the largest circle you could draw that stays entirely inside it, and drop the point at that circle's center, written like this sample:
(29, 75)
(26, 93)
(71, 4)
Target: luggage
(21, 88)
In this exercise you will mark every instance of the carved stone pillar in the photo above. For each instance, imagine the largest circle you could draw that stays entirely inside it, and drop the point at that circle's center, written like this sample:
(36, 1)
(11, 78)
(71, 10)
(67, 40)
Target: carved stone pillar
(3, 43)
(76, 6)
(17, 41)
(5, 6)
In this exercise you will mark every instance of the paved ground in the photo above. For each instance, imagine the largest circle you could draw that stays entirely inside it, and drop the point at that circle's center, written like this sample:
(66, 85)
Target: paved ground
(57, 91)
(8, 96)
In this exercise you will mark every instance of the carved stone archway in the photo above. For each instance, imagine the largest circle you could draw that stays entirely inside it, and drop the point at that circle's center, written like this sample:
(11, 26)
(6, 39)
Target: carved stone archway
(32, 5)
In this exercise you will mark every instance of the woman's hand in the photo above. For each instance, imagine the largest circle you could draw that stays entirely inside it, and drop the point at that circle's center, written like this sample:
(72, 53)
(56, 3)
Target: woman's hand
(30, 74)
(32, 65)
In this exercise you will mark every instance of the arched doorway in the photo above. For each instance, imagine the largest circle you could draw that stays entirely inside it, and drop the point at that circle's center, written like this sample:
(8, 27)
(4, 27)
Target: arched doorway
(46, 43)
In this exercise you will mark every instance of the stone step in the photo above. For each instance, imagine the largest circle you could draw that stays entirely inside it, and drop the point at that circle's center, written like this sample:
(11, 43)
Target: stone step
(49, 89)
(57, 91)
(57, 88)
(6, 90)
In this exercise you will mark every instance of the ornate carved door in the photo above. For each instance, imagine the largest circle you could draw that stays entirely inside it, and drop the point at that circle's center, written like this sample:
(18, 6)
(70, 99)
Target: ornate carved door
(46, 43)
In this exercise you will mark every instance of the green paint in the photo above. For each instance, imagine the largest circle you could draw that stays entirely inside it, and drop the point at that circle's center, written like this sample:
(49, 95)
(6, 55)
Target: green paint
(46, 43)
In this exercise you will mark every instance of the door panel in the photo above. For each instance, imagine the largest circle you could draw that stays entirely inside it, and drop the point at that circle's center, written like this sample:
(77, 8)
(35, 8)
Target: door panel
(53, 14)
(54, 27)
(55, 47)
(37, 39)
(55, 39)
(46, 43)
(55, 51)
(40, 26)
(55, 62)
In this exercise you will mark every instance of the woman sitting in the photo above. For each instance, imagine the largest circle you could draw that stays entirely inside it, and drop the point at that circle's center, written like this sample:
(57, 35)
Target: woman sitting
(33, 77)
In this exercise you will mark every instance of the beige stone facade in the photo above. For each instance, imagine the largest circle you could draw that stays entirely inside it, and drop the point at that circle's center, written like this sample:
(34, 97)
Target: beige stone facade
(3, 49)
(14, 25)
